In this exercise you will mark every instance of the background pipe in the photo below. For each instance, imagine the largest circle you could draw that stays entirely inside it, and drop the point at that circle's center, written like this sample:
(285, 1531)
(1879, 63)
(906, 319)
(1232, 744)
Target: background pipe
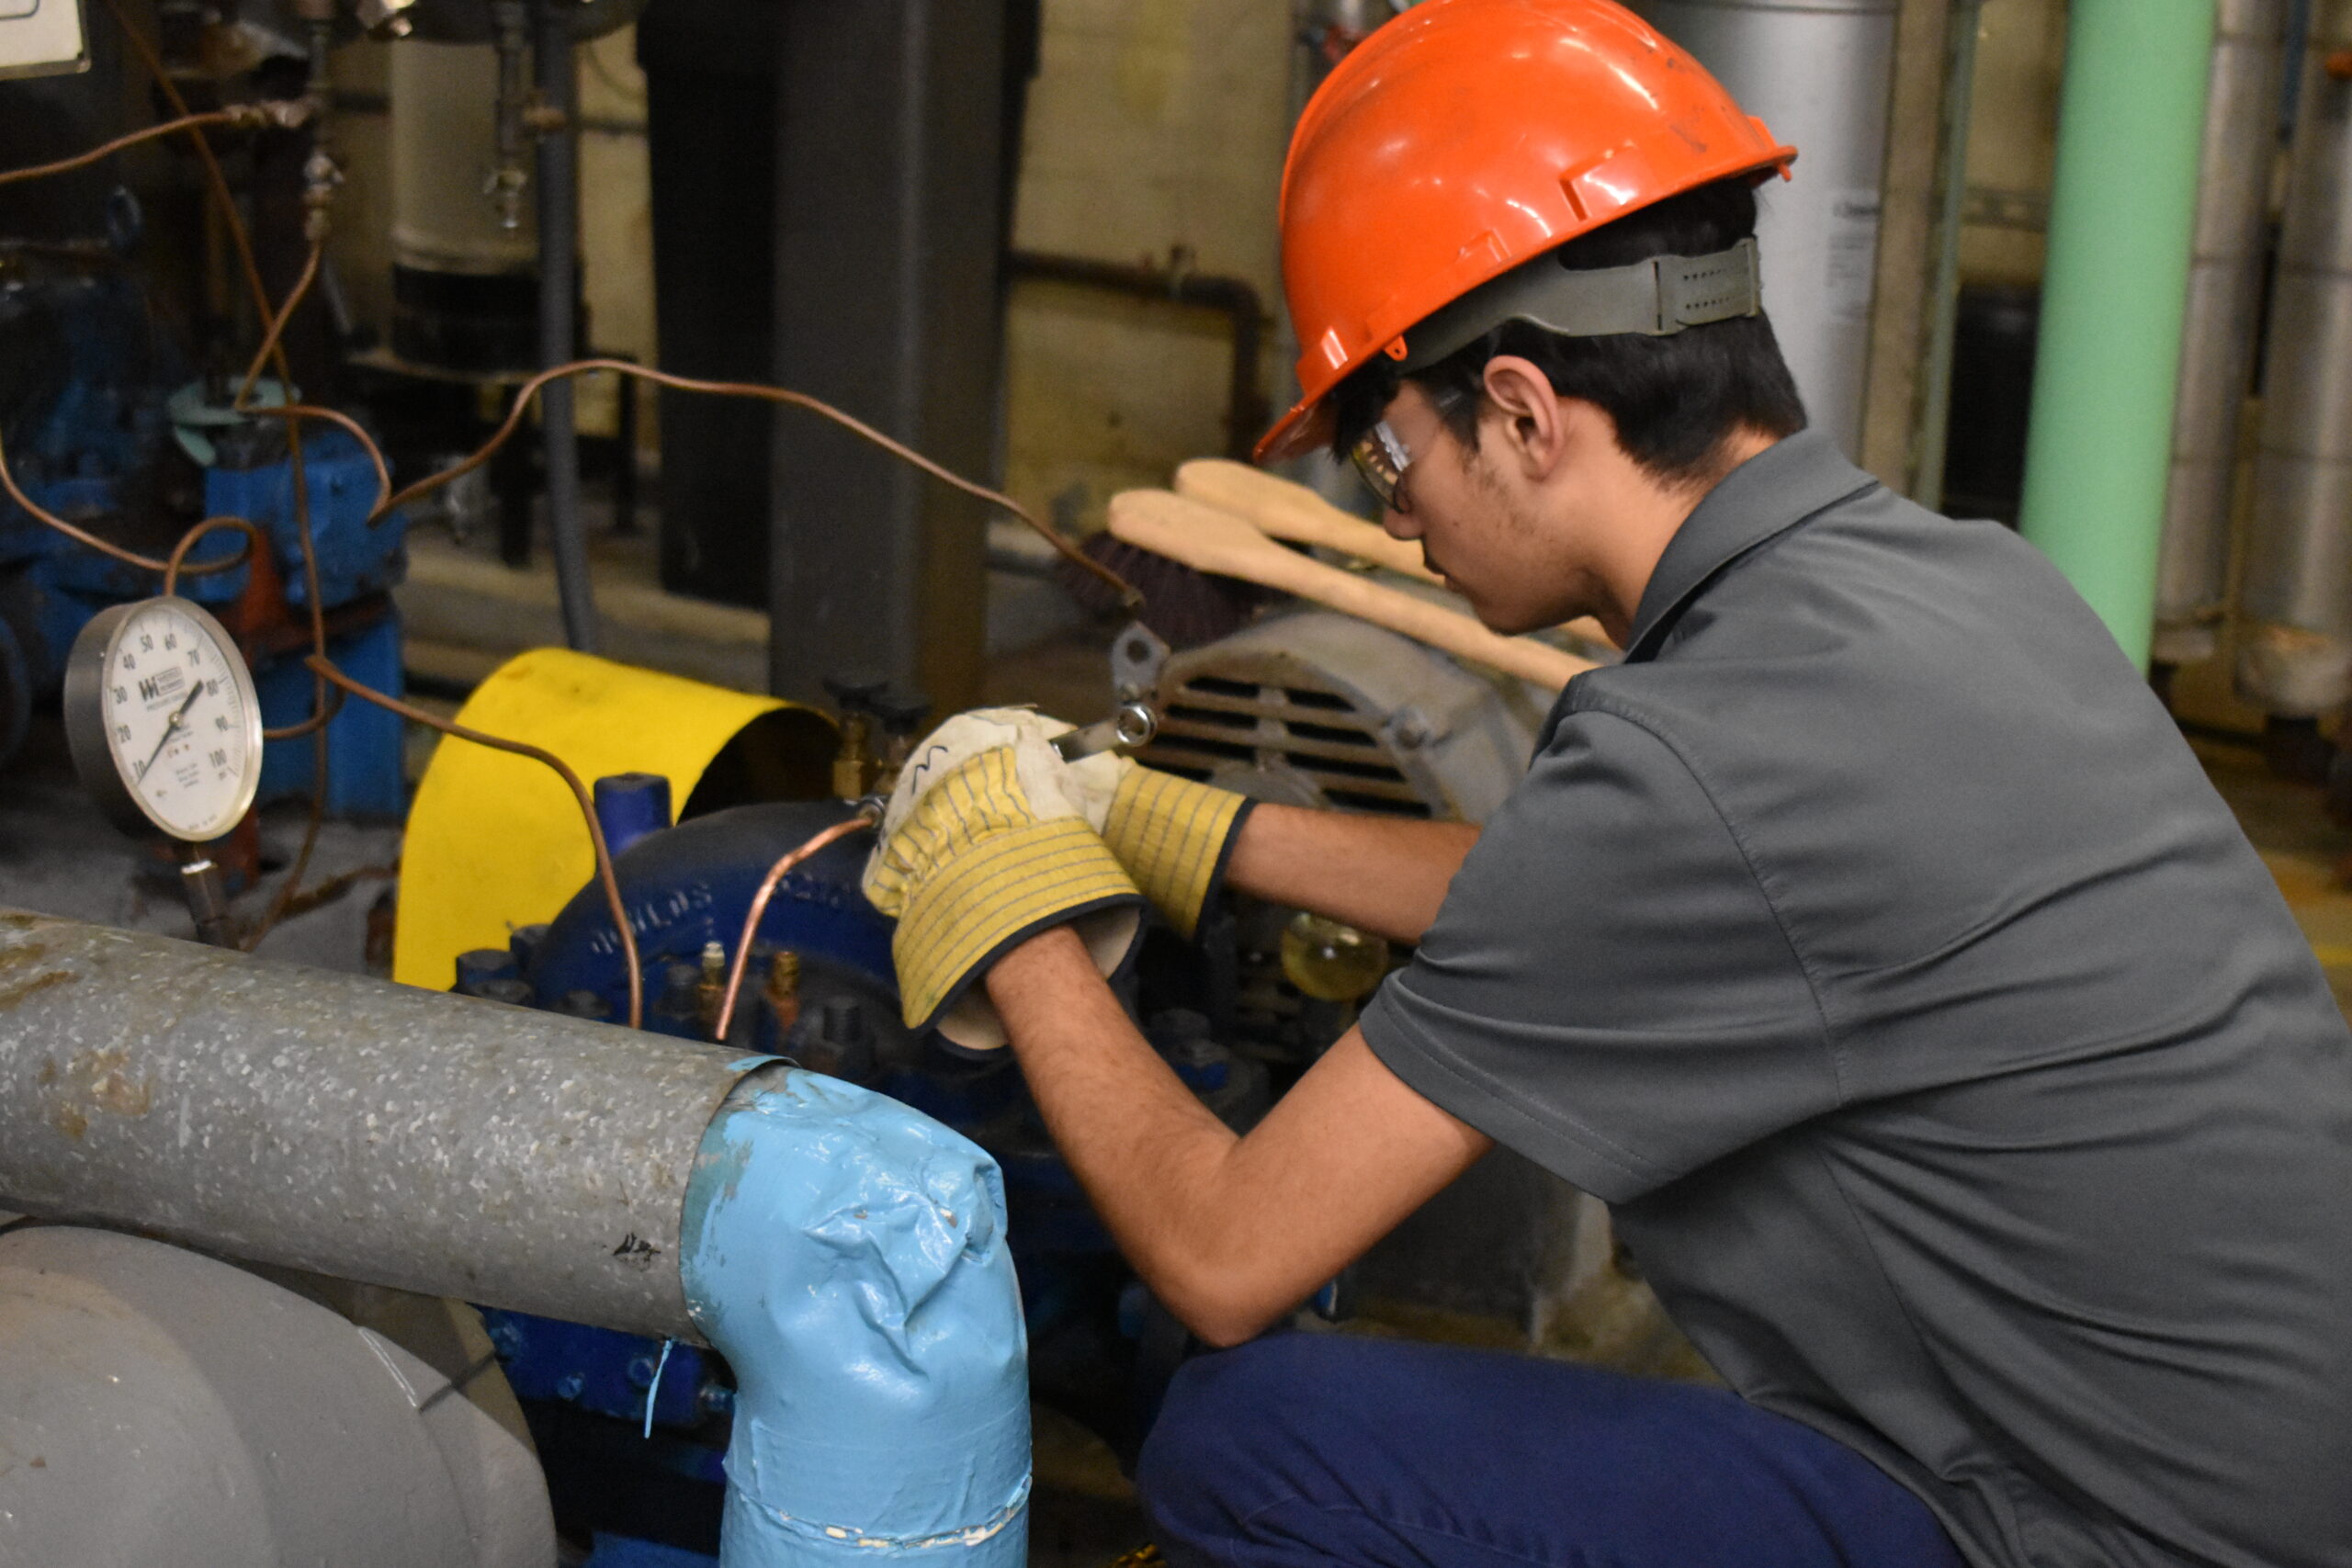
(2224, 317)
(2295, 646)
(2123, 213)
(846, 1253)
(1930, 441)
(558, 207)
(1245, 400)
(1820, 72)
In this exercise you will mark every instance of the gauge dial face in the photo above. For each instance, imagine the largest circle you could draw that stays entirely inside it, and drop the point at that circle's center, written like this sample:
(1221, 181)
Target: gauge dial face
(181, 723)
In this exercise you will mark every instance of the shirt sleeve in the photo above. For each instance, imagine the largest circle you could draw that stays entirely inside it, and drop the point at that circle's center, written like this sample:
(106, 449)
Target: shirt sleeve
(1607, 990)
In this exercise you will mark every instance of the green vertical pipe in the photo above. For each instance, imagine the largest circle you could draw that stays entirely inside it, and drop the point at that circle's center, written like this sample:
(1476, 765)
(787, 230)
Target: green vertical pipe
(2115, 288)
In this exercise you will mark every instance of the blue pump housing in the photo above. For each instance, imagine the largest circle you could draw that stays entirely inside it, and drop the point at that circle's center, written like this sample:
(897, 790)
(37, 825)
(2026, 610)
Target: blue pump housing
(86, 384)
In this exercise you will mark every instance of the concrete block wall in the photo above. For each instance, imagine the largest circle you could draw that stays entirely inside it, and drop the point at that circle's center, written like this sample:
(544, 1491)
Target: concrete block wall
(1155, 127)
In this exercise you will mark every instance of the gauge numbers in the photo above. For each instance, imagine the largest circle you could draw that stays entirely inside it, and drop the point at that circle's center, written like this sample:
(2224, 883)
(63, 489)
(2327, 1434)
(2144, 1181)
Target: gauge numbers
(163, 719)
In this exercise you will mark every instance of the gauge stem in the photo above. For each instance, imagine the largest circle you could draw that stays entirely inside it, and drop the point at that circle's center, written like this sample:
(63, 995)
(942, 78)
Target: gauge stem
(208, 900)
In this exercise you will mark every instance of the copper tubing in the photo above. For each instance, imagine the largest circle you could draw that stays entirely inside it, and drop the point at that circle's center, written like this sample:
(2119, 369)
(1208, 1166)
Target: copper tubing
(103, 149)
(284, 898)
(219, 181)
(351, 427)
(322, 711)
(865, 819)
(177, 560)
(294, 296)
(1127, 590)
(611, 886)
(83, 537)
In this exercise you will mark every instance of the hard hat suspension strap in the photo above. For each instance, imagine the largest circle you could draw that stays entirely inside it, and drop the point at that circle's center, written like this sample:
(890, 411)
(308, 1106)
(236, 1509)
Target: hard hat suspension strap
(1656, 297)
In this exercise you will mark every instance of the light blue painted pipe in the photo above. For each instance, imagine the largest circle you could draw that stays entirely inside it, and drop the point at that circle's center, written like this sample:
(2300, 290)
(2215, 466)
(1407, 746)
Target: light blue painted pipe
(847, 1255)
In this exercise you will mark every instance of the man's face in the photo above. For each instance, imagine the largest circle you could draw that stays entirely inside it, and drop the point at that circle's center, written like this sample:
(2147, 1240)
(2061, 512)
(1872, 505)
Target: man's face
(1482, 524)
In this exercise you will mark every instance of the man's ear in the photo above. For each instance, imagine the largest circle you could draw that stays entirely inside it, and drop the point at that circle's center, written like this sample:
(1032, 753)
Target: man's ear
(1534, 418)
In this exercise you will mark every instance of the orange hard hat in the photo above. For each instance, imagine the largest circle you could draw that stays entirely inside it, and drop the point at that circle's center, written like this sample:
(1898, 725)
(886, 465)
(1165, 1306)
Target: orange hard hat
(1465, 137)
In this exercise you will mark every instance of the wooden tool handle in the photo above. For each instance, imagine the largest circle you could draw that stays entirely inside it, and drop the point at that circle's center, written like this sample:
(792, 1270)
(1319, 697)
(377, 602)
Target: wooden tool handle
(1210, 539)
(1282, 509)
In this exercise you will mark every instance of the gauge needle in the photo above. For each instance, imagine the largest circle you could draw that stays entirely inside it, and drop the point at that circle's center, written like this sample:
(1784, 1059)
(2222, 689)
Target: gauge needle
(172, 726)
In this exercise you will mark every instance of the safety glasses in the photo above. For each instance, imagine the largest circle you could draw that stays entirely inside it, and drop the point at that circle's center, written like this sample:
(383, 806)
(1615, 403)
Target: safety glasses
(1380, 461)
(1381, 456)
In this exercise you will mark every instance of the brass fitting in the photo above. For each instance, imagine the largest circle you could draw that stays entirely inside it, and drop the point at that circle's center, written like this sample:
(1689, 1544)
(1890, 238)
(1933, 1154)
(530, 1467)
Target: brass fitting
(784, 991)
(710, 991)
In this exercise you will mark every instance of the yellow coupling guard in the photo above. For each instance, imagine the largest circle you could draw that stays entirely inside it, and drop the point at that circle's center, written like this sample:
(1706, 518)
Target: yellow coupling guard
(495, 841)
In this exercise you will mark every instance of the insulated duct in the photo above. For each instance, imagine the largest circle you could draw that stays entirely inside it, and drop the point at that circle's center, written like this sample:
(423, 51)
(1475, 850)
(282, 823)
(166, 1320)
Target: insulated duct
(1819, 73)
(2224, 315)
(2295, 650)
(846, 1253)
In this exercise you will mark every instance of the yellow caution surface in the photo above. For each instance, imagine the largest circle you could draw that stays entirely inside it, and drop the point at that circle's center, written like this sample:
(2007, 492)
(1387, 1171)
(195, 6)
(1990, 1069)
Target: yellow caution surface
(495, 841)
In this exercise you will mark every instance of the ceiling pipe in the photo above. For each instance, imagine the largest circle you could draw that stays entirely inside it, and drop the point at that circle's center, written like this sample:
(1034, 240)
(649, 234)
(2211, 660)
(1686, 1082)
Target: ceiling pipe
(2122, 216)
(846, 1253)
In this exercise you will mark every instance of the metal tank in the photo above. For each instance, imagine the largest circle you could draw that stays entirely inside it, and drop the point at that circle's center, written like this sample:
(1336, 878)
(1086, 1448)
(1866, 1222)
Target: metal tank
(2224, 315)
(1819, 73)
(159, 1408)
(2295, 651)
(464, 264)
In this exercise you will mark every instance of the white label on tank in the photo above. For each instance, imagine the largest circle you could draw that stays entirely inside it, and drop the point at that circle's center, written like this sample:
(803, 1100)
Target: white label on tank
(1850, 258)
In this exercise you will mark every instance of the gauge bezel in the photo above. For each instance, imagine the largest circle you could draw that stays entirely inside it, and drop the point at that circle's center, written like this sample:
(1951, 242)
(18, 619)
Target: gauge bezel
(101, 767)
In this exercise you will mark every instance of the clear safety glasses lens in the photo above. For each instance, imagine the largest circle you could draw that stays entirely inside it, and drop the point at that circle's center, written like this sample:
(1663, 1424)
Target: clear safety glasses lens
(1380, 461)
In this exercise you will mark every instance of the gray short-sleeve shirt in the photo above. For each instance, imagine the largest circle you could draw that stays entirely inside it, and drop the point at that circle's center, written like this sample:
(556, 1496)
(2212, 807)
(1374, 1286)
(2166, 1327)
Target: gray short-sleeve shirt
(1871, 942)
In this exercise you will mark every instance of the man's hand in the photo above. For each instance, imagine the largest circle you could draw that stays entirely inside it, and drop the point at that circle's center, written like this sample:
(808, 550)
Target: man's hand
(1230, 1232)
(974, 858)
(1171, 834)
(1087, 785)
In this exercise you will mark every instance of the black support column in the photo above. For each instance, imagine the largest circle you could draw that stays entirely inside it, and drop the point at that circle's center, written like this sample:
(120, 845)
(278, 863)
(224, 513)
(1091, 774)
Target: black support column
(890, 163)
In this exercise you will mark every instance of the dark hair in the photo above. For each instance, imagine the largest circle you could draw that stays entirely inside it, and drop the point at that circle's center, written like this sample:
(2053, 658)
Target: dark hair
(1675, 400)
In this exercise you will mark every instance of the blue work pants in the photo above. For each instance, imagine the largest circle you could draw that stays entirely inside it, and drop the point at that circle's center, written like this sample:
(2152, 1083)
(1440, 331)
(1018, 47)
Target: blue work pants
(1323, 1448)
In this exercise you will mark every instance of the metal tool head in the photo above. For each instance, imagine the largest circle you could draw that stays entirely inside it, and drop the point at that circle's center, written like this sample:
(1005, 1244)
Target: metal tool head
(1137, 655)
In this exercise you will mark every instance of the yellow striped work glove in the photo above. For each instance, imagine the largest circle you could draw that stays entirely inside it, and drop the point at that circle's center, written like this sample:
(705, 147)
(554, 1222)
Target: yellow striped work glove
(1173, 835)
(975, 858)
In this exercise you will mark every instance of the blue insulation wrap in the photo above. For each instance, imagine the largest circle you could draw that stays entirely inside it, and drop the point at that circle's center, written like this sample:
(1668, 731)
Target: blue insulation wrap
(847, 1255)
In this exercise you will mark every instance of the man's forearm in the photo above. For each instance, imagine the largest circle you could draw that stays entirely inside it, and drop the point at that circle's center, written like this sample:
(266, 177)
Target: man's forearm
(1378, 873)
(1230, 1232)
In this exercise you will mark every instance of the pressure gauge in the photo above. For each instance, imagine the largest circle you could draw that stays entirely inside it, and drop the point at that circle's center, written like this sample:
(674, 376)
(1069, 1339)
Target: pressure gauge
(162, 719)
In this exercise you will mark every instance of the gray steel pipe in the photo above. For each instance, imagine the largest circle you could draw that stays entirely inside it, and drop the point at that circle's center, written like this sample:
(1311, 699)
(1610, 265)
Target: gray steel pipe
(2295, 648)
(1820, 74)
(556, 73)
(2225, 316)
(349, 1126)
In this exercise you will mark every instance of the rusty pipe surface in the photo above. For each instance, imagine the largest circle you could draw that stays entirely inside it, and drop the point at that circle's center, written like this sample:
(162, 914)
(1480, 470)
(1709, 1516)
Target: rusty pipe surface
(350, 1126)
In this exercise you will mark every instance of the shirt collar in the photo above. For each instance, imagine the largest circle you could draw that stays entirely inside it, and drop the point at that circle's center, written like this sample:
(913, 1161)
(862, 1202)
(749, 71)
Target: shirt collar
(1779, 488)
